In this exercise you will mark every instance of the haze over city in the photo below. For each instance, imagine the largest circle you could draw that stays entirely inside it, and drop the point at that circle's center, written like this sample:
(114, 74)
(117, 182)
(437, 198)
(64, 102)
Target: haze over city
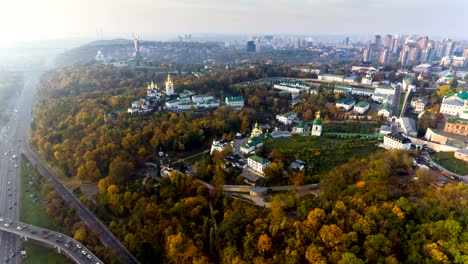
(25, 20)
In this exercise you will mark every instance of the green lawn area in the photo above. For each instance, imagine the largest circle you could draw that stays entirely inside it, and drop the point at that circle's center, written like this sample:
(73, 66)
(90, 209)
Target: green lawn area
(34, 212)
(351, 127)
(448, 161)
(402, 100)
(37, 254)
(322, 153)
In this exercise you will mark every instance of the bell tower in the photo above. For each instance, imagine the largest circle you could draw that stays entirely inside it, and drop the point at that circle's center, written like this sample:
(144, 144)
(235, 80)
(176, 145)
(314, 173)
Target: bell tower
(169, 86)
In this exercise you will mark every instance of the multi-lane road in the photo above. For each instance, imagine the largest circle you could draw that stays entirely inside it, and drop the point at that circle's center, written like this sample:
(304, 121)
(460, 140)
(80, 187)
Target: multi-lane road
(64, 244)
(12, 135)
(14, 141)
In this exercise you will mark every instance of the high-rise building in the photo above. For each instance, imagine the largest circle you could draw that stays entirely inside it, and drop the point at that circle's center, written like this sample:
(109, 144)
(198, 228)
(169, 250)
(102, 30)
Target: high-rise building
(439, 50)
(367, 54)
(395, 47)
(377, 40)
(388, 41)
(169, 86)
(413, 55)
(465, 53)
(403, 59)
(427, 55)
(449, 47)
(423, 42)
(251, 46)
(346, 42)
(384, 56)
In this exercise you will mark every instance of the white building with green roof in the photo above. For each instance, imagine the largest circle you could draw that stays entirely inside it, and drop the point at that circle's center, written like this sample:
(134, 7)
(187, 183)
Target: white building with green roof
(300, 128)
(258, 164)
(292, 87)
(346, 103)
(201, 98)
(235, 101)
(252, 144)
(385, 110)
(361, 107)
(317, 125)
(186, 94)
(453, 104)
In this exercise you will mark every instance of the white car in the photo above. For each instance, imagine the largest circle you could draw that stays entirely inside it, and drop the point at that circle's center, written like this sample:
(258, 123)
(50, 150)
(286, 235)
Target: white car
(1, 219)
(6, 224)
(19, 228)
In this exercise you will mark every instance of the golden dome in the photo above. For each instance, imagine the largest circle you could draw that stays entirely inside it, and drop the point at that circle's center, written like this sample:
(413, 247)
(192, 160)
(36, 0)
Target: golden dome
(169, 80)
(256, 131)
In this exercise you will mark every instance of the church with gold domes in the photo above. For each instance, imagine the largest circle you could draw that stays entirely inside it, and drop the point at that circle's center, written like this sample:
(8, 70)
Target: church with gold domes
(255, 141)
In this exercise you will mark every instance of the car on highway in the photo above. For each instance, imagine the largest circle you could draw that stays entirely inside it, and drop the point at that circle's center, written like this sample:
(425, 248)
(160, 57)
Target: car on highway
(6, 224)
(19, 228)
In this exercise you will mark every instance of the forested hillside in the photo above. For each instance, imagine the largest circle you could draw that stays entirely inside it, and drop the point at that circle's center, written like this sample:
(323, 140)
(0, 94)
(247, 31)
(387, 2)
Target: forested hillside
(368, 210)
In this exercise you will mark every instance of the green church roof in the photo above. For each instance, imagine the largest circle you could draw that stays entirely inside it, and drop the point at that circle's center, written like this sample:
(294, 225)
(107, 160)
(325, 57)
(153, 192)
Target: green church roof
(318, 122)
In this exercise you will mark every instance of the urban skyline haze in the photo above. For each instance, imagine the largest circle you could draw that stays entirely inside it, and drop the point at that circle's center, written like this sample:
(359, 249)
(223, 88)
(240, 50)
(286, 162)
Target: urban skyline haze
(24, 20)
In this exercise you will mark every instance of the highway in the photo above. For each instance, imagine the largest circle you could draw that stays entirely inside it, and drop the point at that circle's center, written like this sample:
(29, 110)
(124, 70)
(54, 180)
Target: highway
(12, 134)
(106, 237)
(14, 141)
(64, 244)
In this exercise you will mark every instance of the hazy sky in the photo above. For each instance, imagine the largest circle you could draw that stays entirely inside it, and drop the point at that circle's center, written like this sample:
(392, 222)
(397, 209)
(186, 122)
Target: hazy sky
(33, 19)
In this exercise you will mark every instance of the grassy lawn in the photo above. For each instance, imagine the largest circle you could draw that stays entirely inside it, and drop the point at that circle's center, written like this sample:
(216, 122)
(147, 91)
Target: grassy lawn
(448, 161)
(33, 212)
(37, 254)
(402, 100)
(322, 153)
(351, 127)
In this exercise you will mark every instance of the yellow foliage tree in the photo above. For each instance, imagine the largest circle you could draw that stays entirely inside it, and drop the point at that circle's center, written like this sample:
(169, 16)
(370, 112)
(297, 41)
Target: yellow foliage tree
(264, 243)
(80, 234)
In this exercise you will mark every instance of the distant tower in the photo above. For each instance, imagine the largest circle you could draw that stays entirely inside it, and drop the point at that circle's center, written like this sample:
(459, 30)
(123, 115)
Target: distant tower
(169, 86)
(136, 53)
(317, 125)
(251, 46)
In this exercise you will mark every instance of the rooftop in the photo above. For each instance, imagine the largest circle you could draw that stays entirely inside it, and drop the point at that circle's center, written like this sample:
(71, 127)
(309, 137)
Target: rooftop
(463, 151)
(398, 138)
(458, 120)
(288, 114)
(235, 98)
(301, 124)
(259, 159)
(385, 106)
(462, 95)
(362, 104)
(383, 86)
(278, 134)
(346, 101)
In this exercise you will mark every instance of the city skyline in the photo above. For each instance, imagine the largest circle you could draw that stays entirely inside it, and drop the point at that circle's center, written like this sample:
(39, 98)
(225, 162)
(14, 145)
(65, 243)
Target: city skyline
(50, 19)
